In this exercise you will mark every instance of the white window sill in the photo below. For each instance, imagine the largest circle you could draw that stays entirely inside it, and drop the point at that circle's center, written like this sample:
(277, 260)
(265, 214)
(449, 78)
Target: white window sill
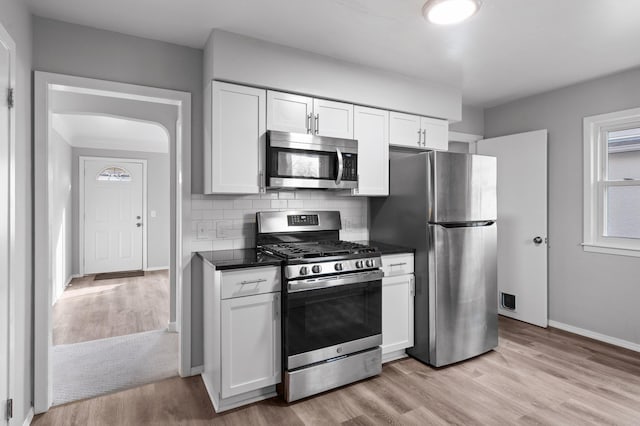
(619, 251)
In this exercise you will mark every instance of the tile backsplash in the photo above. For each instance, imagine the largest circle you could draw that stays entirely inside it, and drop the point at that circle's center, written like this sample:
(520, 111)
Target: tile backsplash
(222, 222)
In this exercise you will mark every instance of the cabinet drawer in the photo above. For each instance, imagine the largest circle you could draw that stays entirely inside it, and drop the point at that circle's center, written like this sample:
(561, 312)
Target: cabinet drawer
(397, 264)
(250, 281)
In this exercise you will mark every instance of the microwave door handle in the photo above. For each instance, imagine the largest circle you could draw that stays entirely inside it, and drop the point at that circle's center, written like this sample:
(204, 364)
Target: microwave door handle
(340, 166)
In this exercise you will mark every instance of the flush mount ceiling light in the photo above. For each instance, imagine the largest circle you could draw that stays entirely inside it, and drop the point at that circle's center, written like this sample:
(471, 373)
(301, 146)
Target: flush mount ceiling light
(446, 12)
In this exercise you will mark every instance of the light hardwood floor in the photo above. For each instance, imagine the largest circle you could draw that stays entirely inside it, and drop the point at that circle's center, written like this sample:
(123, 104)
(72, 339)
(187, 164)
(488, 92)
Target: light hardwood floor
(90, 310)
(536, 376)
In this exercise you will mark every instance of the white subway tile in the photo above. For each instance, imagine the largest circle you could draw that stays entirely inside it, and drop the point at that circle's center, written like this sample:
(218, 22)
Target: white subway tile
(233, 214)
(295, 204)
(200, 204)
(223, 245)
(269, 196)
(212, 214)
(261, 204)
(200, 245)
(242, 204)
(222, 204)
(278, 204)
(287, 195)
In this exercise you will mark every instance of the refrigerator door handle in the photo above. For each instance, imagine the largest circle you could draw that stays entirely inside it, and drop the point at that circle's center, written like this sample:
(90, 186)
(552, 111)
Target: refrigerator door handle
(466, 224)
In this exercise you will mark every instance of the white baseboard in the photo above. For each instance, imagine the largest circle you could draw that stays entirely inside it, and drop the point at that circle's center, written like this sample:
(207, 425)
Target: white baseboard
(172, 327)
(29, 418)
(156, 268)
(198, 369)
(596, 336)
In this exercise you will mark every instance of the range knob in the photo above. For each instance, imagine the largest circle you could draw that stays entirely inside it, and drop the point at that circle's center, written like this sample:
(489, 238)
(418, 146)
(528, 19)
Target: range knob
(369, 263)
(338, 266)
(304, 270)
(359, 264)
(316, 269)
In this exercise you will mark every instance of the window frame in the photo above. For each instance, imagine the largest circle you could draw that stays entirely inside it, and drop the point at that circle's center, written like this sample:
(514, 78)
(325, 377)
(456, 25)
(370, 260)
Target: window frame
(595, 129)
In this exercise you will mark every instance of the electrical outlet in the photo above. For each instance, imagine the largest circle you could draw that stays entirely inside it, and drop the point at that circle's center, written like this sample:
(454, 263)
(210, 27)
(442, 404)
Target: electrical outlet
(201, 232)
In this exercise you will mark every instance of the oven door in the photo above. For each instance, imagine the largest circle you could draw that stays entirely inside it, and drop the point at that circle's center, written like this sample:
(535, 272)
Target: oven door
(332, 319)
(306, 161)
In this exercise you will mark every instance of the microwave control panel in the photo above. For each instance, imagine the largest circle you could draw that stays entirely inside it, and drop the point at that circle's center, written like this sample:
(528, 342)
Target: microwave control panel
(350, 167)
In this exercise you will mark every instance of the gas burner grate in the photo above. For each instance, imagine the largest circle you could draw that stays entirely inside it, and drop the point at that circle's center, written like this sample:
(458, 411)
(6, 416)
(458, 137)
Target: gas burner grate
(317, 249)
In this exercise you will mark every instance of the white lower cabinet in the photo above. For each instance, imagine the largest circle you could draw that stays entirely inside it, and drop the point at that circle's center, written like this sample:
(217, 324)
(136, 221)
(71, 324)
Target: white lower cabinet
(242, 342)
(397, 314)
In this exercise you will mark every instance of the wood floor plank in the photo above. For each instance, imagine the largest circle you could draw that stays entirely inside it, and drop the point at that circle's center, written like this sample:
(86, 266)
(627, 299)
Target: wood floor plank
(535, 377)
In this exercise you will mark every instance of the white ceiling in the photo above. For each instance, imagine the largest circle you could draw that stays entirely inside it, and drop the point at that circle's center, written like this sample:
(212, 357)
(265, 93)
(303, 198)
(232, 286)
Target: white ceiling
(113, 133)
(510, 49)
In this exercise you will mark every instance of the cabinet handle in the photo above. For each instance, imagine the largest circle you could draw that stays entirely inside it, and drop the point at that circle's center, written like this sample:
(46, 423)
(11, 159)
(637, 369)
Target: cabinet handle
(317, 123)
(309, 123)
(397, 264)
(424, 137)
(261, 280)
(261, 182)
(419, 137)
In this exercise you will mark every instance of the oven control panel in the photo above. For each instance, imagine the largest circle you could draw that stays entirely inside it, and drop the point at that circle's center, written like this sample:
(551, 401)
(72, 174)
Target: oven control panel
(310, 270)
(302, 220)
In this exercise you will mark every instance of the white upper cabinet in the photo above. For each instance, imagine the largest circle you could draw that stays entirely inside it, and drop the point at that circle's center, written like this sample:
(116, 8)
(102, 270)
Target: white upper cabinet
(371, 129)
(235, 139)
(301, 114)
(405, 130)
(413, 131)
(289, 113)
(435, 133)
(333, 119)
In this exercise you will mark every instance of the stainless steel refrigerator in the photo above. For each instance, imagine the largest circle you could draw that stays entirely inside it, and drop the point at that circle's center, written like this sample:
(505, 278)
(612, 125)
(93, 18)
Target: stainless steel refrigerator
(444, 205)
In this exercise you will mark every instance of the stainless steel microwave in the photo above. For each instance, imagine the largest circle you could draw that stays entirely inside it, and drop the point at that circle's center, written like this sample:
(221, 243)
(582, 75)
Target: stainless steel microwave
(298, 160)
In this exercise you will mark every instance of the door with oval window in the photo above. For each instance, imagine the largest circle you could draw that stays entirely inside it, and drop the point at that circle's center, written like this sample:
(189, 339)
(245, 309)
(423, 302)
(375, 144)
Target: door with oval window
(113, 215)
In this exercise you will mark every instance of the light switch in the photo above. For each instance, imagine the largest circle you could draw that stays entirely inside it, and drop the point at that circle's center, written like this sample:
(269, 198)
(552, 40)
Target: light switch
(202, 230)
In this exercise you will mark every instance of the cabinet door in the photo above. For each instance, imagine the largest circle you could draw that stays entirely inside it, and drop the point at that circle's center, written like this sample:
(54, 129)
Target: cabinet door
(371, 129)
(435, 133)
(333, 119)
(237, 141)
(250, 343)
(397, 313)
(289, 113)
(405, 130)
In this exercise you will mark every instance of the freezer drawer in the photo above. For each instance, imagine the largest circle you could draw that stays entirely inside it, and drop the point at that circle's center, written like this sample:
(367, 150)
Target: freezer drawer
(463, 308)
(461, 187)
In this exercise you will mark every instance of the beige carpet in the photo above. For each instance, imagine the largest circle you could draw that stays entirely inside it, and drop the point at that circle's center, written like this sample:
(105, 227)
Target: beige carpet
(89, 369)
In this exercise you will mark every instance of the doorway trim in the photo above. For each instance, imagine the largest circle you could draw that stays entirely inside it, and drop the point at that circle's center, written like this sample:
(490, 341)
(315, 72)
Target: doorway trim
(9, 43)
(81, 212)
(180, 249)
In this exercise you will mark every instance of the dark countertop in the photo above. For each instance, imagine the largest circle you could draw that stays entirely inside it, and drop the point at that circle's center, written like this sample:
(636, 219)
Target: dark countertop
(237, 259)
(387, 248)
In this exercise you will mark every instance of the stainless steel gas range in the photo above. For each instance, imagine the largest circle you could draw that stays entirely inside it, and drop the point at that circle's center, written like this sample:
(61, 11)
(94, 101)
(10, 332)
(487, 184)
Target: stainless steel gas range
(331, 303)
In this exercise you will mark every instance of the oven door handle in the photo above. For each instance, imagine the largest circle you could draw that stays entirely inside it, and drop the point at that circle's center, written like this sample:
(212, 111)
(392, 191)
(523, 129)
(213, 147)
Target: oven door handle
(340, 166)
(334, 281)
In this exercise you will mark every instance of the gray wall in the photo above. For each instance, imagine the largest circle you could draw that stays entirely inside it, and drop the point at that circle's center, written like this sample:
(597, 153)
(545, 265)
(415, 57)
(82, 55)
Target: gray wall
(88, 52)
(17, 21)
(472, 121)
(593, 291)
(158, 241)
(61, 213)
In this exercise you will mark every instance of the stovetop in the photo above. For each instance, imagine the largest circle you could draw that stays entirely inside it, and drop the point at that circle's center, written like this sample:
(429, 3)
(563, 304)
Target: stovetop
(315, 249)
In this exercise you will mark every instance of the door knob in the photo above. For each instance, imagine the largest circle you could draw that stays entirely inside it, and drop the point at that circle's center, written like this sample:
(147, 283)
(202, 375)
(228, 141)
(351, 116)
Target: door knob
(138, 217)
(138, 224)
(537, 240)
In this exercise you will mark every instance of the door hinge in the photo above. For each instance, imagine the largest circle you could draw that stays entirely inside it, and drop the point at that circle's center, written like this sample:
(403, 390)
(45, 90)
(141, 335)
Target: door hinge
(9, 409)
(10, 98)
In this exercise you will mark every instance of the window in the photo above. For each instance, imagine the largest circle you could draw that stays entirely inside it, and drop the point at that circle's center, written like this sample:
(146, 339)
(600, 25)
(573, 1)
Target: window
(612, 183)
(114, 174)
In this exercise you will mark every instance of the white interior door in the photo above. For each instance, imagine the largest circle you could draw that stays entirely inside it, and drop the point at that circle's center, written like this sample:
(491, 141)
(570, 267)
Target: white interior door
(4, 230)
(522, 223)
(113, 210)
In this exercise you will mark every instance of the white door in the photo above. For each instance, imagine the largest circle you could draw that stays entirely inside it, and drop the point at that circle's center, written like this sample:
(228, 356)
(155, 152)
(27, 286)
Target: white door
(522, 224)
(238, 126)
(334, 119)
(289, 113)
(250, 343)
(405, 130)
(113, 211)
(4, 229)
(371, 129)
